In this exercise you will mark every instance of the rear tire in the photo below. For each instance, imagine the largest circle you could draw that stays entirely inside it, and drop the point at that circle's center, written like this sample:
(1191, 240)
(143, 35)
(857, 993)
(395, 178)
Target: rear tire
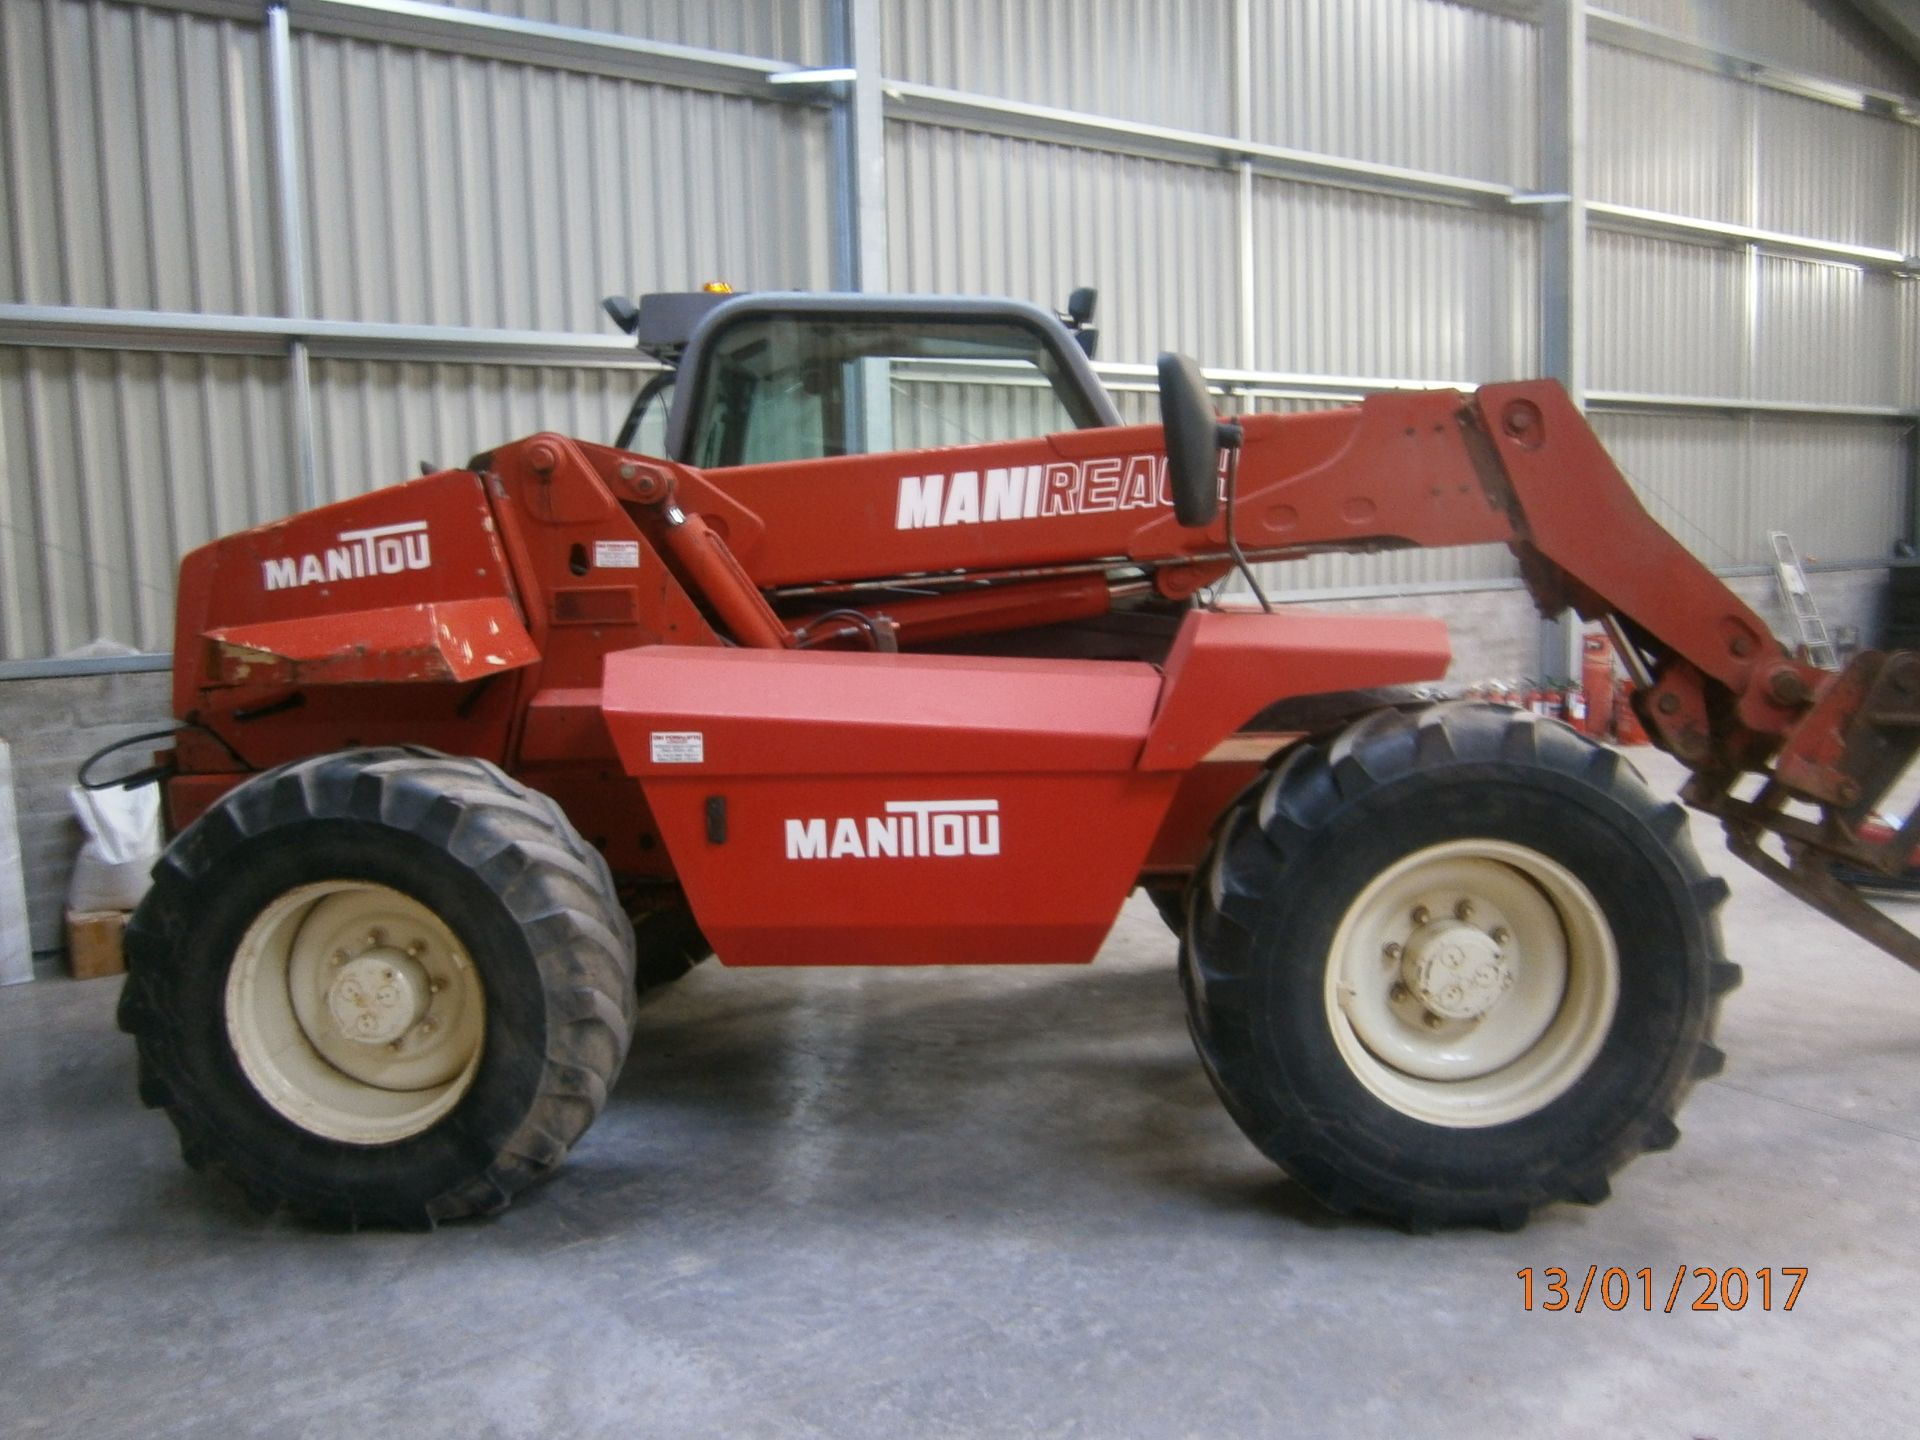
(1454, 964)
(384, 986)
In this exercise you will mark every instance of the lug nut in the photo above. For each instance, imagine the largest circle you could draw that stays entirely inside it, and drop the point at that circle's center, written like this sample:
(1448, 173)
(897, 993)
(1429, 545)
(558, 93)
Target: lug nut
(417, 949)
(339, 957)
(1421, 914)
(1499, 935)
(1432, 1021)
(1398, 992)
(1391, 950)
(434, 987)
(376, 937)
(1463, 911)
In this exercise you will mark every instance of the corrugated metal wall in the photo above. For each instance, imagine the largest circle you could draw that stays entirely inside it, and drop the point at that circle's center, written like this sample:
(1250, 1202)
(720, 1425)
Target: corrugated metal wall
(450, 180)
(1822, 37)
(445, 190)
(1710, 317)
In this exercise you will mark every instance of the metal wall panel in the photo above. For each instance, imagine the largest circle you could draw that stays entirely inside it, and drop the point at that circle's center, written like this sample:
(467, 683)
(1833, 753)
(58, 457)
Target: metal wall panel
(1160, 61)
(987, 215)
(1821, 37)
(1826, 332)
(778, 29)
(1664, 136)
(134, 167)
(1688, 470)
(445, 190)
(376, 421)
(1667, 316)
(1430, 85)
(116, 464)
(1347, 283)
(1838, 488)
(1832, 173)
(1720, 482)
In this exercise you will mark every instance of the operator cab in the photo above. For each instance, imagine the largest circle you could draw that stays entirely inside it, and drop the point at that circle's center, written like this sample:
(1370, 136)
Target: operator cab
(753, 379)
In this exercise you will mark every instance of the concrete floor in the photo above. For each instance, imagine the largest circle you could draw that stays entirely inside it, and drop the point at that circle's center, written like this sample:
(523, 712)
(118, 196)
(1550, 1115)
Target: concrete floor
(900, 1204)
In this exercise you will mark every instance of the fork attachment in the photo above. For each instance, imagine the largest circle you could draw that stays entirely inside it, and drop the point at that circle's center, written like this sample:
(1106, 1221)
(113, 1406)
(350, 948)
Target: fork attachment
(1845, 756)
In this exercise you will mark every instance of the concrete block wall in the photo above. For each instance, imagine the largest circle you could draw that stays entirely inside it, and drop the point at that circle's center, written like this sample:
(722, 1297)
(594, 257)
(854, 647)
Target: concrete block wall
(52, 725)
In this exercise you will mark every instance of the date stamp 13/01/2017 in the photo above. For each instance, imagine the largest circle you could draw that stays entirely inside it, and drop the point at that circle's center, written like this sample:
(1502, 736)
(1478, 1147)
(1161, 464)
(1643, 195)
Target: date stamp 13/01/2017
(1694, 1287)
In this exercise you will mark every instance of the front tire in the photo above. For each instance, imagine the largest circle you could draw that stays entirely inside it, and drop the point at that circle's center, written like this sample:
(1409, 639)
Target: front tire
(384, 986)
(1454, 964)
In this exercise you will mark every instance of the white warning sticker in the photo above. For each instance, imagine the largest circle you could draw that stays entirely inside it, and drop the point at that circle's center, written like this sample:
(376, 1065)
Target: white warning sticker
(679, 747)
(616, 554)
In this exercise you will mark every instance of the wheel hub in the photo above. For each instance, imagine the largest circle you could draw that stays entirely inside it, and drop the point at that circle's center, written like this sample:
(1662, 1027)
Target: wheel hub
(1455, 970)
(379, 996)
(1471, 982)
(355, 1011)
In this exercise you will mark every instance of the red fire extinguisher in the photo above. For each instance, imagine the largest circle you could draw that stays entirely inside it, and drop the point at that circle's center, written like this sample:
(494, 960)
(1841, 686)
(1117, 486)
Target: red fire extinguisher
(1575, 700)
(1596, 679)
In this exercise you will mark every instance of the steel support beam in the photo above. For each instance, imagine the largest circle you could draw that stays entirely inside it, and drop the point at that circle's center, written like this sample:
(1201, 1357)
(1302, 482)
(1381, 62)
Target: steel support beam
(1563, 244)
(932, 105)
(290, 232)
(1630, 219)
(860, 148)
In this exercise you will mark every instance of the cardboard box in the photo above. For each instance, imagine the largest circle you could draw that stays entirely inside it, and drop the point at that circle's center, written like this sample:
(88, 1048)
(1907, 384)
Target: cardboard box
(93, 943)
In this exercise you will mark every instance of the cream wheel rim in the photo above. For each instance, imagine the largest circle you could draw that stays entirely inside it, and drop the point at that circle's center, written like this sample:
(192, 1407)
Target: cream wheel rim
(355, 1012)
(1472, 983)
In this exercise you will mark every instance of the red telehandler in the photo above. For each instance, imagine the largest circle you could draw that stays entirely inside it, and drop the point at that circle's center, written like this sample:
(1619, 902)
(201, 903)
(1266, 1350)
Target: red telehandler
(790, 675)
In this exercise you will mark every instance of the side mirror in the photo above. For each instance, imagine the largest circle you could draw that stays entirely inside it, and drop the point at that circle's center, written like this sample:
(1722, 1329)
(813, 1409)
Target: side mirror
(1079, 318)
(1193, 441)
(623, 311)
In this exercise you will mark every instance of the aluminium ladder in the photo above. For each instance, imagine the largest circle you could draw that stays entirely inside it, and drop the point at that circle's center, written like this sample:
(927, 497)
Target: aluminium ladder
(1806, 615)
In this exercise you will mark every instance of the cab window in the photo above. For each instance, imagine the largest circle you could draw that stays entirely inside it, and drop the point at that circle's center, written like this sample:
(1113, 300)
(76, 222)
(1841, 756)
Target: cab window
(797, 387)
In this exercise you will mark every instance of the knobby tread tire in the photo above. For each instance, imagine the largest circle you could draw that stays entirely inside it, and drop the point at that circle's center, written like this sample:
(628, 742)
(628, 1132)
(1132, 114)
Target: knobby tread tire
(1297, 848)
(534, 906)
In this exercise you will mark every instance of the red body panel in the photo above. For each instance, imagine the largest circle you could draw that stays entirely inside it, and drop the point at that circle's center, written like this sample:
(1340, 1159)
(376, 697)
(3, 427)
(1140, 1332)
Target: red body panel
(1226, 666)
(295, 590)
(887, 809)
(793, 787)
(457, 640)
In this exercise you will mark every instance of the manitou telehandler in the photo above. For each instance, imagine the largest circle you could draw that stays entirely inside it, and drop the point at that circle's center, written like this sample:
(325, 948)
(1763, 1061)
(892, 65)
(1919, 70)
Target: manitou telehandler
(891, 645)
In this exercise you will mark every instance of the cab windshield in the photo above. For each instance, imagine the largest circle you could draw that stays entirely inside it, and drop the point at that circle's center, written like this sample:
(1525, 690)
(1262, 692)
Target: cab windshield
(802, 387)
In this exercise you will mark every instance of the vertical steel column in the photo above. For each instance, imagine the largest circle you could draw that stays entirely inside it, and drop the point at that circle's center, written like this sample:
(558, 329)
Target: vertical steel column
(859, 177)
(859, 149)
(290, 228)
(1563, 244)
(1243, 130)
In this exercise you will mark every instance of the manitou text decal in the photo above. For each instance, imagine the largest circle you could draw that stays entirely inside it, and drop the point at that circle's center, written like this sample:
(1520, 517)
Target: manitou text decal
(1030, 492)
(909, 828)
(383, 550)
